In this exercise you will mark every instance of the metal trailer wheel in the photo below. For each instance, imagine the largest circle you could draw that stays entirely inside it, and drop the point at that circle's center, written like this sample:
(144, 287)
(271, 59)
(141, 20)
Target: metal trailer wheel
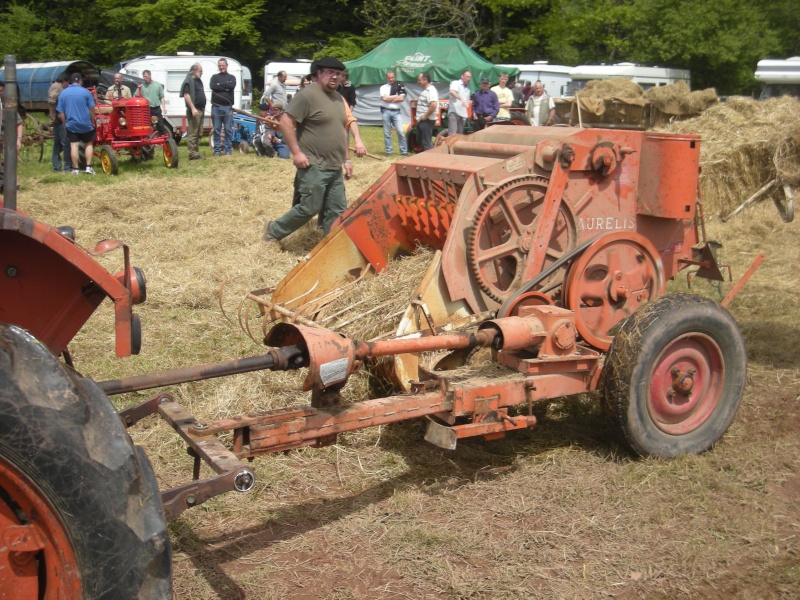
(170, 153)
(674, 376)
(80, 511)
(108, 160)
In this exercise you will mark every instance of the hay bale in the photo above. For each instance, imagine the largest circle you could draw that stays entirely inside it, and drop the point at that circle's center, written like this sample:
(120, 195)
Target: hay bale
(616, 87)
(746, 143)
(678, 100)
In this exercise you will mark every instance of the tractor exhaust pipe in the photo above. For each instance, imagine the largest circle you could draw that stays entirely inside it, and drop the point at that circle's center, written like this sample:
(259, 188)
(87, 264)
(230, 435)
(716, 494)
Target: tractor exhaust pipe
(10, 101)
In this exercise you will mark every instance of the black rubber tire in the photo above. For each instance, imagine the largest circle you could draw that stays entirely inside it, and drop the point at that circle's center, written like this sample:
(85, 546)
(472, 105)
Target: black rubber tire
(170, 154)
(64, 435)
(643, 347)
(412, 142)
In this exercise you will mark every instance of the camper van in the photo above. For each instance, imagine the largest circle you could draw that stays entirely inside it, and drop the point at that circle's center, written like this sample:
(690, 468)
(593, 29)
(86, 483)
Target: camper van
(554, 77)
(646, 77)
(170, 71)
(295, 71)
(780, 77)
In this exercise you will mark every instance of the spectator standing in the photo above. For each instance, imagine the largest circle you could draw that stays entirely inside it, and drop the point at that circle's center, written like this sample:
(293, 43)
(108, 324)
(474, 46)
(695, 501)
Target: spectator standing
(2, 134)
(118, 91)
(222, 86)
(393, 94)
(60, 146)
(154, 92)
(541, 108)
(459, 99)
(527, 90)
(195, 97)
(504, 96)
(485, 105)
(313, 127)
(347, 91)
(76, 109)
(519, 97)
(276, 91)
(427, 107)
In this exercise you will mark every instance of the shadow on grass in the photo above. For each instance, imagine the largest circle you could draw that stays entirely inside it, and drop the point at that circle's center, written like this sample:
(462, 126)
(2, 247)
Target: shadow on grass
(772, 344)
(574, 422)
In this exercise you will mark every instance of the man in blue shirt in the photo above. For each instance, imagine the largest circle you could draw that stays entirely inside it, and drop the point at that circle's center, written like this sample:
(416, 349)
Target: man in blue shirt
(485, 105)
(76, 109)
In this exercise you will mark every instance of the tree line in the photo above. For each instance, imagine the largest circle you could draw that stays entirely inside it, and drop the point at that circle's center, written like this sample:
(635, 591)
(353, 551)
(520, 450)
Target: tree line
(720, 41)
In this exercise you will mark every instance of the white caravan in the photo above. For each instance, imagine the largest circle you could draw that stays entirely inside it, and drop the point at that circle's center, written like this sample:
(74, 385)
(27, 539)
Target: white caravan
(554, 77)
(646, 77)
(295, 71)
(780, 77)
(170, 71)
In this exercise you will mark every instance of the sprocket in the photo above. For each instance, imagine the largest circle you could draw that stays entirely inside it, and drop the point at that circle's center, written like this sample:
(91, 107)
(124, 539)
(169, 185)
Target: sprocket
(505, 223)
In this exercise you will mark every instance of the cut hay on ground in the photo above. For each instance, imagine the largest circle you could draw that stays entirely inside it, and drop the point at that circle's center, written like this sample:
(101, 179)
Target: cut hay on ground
(746, 144)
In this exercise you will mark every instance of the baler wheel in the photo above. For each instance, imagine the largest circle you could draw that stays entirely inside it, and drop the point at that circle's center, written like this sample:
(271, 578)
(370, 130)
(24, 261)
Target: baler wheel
(504, 226)
(170, 153)
(609, 281)
(80, 510)
(108, 160)
(674, 376)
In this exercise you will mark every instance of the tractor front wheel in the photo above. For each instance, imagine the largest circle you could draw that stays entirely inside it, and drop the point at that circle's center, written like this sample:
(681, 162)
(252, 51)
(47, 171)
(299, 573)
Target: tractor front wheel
(170, 153)
(80, 511)
(674, 376)
(108, 160)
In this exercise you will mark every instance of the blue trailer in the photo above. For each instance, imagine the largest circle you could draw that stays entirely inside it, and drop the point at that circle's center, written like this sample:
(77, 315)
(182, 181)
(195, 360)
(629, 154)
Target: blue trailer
(35, 79)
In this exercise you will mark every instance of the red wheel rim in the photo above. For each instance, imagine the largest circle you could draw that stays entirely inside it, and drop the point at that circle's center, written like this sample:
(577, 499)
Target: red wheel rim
(686, 384)
(45, 565)
(609, 281)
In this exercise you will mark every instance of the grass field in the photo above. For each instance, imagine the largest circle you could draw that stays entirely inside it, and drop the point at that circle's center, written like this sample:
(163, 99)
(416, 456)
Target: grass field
(559, 511)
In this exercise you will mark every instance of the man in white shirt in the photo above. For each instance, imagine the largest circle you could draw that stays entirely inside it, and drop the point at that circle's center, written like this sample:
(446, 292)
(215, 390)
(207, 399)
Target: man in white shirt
(505, 96)
(459, 99)
(393, 93)
(427, 107)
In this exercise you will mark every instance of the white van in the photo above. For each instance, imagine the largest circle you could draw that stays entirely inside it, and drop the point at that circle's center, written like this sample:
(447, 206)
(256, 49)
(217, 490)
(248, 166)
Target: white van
(295, 71)
(646, 77)
(554, 77)
(780, 77)
(170, 71)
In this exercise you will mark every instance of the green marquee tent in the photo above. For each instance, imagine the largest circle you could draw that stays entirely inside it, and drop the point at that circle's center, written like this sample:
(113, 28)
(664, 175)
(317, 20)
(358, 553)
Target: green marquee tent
(443, 58)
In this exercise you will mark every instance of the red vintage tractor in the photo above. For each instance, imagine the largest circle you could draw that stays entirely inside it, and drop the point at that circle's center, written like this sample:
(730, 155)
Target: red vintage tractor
(552, 249)
(125, 126)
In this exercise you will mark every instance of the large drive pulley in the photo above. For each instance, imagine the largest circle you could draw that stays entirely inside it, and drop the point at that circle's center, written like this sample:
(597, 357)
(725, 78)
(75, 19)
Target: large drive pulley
(609, 281)
(500, 241)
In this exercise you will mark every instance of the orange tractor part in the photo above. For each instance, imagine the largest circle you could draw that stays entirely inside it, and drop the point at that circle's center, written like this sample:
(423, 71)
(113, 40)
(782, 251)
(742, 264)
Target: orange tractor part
(590, 220)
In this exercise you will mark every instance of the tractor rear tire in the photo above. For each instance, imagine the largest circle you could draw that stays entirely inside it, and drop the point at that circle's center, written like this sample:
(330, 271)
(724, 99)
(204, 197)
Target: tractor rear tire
(108, 160)
(170, 153)
(71, 477)
(674, 376)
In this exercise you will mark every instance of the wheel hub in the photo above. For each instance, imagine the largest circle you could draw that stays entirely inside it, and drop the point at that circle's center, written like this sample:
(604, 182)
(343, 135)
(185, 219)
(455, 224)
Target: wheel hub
(685, 384)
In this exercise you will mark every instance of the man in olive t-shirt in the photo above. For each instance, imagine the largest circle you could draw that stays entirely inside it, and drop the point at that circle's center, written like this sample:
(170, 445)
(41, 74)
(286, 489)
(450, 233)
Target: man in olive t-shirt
(313, 127)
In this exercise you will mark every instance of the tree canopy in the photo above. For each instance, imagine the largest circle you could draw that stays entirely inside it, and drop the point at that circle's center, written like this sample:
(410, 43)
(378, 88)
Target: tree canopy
(720, 41)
